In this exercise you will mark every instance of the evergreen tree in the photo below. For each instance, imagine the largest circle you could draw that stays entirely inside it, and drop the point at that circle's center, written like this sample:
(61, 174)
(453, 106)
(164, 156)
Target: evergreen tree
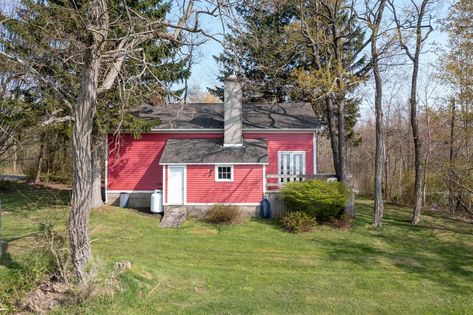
(150, 73)
(301, 51)
(83, 54)
(260, 53)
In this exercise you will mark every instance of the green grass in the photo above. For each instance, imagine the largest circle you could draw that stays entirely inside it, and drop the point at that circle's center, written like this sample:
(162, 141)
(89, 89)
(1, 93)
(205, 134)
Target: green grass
(255, 268)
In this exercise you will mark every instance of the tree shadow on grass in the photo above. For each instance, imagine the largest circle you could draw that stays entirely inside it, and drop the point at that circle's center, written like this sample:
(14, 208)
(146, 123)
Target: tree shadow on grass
(430, 251)
(272, 223)
(28, 197)
(6, 259)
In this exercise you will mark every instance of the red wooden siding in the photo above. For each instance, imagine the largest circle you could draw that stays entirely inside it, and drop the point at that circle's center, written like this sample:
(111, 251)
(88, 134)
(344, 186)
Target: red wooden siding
(287, 142)
(247, 185)
(133, 164)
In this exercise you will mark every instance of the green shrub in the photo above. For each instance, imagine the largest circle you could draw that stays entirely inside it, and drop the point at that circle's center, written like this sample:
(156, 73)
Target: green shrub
(317, 198)
(222, 214)
(297, 222)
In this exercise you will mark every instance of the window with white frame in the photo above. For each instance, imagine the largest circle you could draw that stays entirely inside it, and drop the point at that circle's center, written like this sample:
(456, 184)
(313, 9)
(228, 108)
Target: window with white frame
(291, 163)
(223, 173)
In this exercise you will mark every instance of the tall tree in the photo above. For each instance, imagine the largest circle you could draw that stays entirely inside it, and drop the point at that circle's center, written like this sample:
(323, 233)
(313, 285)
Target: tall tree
(98, 42)
(418, 21)
(302, 51)
(372, 17)
(335, 42)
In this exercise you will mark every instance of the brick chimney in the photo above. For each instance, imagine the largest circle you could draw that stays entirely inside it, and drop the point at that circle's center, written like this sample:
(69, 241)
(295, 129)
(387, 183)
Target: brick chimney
(233, 114)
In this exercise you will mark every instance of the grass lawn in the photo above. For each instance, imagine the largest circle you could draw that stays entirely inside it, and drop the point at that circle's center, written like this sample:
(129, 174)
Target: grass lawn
(255, 268)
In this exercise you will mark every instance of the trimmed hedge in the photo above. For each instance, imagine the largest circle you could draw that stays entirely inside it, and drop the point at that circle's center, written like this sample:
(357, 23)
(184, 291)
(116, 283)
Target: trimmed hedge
(318, 198)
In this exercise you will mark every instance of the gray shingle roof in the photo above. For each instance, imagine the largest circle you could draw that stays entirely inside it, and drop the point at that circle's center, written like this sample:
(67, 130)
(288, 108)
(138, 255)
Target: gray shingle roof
(210, 116)
(211, 151)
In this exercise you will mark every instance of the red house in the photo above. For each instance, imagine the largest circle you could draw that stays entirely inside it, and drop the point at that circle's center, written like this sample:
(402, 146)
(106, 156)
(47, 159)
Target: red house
(204, 154)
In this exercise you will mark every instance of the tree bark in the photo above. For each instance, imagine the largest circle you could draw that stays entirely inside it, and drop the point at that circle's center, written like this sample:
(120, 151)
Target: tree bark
(451, 157)
(415, 132)
(84, 113)
(39, 161)
(378, 165)
(342, 149)
(96, 198)
(349, 209)
(15, 159)
(332, 128)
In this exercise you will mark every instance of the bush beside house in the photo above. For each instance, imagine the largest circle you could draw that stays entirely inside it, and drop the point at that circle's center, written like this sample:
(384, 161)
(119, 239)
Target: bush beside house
(298, 222)
(317, 198)
(222, 214)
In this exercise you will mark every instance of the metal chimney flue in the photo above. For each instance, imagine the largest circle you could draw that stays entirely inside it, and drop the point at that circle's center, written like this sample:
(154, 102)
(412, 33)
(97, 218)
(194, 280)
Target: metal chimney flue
(233, 112)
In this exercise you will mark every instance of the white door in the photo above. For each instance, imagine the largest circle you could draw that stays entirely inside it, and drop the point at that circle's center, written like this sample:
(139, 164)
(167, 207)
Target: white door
(176, 185)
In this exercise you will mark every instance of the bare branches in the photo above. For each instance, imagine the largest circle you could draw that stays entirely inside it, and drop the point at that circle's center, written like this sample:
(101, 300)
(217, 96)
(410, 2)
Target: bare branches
(415, 21)
(53, 119)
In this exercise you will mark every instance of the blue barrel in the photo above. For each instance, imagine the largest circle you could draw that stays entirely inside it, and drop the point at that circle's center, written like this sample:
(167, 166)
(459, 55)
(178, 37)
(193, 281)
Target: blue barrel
(124, 197)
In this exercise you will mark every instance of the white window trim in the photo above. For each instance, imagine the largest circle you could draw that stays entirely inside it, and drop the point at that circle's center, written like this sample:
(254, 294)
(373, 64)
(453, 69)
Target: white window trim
(231, 173)
(315, 153)
(292, 152)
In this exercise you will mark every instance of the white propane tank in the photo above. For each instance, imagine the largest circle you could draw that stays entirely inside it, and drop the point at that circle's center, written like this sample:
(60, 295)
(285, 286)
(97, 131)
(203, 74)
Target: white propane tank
(157, 201)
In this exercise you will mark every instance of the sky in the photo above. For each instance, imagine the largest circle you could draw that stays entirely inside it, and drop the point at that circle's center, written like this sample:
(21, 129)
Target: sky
(205, 70)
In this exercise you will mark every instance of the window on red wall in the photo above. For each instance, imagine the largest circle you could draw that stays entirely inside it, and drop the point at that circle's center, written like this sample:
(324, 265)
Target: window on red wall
(224, 173)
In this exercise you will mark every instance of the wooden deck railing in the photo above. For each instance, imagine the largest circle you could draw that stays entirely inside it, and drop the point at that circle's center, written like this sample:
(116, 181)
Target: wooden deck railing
(276, 185)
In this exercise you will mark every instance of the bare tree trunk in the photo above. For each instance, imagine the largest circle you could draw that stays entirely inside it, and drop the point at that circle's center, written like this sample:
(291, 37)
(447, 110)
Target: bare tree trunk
(39, 161)
(96, 198)
(84, 113)
(416, 138)
(342, 148)
(349, 209)
(378, 165)
(418, 163)
(81, 185)
(451, 157)
(420, 38)
(332, 128)
(15, 159)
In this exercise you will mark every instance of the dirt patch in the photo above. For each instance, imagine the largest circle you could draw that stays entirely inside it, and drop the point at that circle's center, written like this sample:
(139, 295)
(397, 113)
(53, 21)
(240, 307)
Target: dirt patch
(46, 297)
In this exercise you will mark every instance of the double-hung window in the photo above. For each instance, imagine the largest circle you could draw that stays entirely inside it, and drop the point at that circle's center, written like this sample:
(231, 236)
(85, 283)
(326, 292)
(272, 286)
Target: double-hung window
(224, 173)
(291, 164)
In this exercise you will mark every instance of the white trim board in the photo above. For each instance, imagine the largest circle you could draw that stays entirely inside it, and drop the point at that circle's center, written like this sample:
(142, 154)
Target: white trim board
(314, 153)
(214, 163)
(131, 191)
(106, 169)
(164, 183)
(264, 179)
(216, 203)
(287, 130)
